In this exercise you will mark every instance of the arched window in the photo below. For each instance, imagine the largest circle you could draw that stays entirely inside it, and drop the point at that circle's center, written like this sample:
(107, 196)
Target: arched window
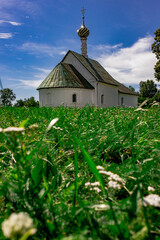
(74, 98)
(122, 101)
(102, 99)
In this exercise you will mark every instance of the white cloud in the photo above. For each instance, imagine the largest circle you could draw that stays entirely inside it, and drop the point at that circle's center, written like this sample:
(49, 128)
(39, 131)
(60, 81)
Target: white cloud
(43, 70)
(5, 35)
(41, 74)
(62, 53)
(30, 83)
(39, 49)
(34, 82)
(10, 22)
(25, 6)
(103, 48)
(129, 65)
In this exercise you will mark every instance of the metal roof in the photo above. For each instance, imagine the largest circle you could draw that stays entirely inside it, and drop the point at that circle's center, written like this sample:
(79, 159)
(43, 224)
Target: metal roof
(100, 74)
(125, 90)
(95, 69)
(65, 75)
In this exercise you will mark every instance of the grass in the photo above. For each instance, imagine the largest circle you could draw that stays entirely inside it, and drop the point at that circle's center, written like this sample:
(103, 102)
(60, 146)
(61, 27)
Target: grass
(44, 173)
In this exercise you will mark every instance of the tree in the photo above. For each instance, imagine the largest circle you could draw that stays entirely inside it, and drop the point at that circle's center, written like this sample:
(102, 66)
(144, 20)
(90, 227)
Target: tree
(27, 102)
(31, 102)
(148, 89)
(157, 97)
(131, 88)
(7, 96)
(156, 50)
(19, 103)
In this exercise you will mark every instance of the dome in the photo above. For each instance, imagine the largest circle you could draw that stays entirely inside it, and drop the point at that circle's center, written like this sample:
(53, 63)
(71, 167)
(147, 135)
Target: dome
(83, 32)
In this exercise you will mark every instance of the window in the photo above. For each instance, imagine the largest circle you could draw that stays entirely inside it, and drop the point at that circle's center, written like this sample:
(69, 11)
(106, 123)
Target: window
(102, 99)
(74, 98)
(122, 101)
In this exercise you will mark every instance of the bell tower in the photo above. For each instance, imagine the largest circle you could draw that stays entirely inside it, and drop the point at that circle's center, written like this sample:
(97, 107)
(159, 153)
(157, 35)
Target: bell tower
(83, 33)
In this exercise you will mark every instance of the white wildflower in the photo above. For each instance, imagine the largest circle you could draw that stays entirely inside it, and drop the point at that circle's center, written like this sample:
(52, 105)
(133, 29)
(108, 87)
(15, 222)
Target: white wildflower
(17, 224)
(113, 184)
(113, 177)
(100, 207)
(100, 168)
(117, 178)
(51, 124)
(151, 189)
(95, 184)
(92, 184)
(97, 189)
(105, 173)
(1, 130)
(152, 200)
(14, 129)
(141, 123)
(87, 184)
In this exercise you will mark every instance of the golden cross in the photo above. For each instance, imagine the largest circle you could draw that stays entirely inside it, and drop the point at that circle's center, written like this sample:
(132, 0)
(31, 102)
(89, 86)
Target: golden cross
(83, 10)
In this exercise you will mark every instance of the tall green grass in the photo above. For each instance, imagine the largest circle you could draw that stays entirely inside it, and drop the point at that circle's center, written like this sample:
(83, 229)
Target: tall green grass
(51, 174)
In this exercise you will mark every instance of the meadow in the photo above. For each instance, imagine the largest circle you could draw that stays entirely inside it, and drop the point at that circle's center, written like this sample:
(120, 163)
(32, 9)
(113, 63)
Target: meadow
(78, 174)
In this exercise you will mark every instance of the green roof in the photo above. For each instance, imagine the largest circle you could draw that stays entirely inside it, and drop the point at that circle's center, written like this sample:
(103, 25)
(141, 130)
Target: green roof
(95, 69)
(100, 74)
(125, 90)
(65, 75)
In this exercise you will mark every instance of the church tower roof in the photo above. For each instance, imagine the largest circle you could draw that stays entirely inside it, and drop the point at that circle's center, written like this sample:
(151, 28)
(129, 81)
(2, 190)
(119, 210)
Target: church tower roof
(83, 33)
(65, 76)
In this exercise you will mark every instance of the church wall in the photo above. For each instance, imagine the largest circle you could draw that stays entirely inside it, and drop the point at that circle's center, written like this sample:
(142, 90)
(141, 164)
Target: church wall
(71, 59)
(127, 100)
(107, 95)
(64, 96)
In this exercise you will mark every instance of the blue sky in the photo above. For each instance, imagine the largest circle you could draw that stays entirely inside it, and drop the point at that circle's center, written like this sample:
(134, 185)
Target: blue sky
(36, 34)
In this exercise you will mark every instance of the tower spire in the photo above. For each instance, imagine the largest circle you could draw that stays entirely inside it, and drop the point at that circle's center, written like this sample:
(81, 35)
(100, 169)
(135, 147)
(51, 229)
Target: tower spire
(83, 10)
(83, 33)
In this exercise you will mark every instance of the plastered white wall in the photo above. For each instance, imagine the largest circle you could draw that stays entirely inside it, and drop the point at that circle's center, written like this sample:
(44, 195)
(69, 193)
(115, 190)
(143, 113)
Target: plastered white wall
(71, 59)
(63, 96)
(110, 95)
(128, 100)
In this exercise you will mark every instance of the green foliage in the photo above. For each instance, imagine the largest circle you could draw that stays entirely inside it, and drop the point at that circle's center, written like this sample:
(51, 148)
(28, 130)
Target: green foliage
(156, 44)
(19, 103)
(7, 96)
(53, 176)
(131, 88)
(147, 89)
(29, 102)
(157, 70)
(157, 97)
(156, 50)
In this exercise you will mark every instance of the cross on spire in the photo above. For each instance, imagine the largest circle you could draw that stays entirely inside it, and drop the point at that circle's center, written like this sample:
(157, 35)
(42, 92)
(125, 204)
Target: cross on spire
(83, 10)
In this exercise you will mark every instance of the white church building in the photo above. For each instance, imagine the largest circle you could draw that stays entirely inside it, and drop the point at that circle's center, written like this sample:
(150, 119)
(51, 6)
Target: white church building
(78, 81)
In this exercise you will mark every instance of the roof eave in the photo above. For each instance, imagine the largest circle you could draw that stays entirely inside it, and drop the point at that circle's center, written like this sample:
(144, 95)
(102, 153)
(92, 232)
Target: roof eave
(65, 87)
(135, 94)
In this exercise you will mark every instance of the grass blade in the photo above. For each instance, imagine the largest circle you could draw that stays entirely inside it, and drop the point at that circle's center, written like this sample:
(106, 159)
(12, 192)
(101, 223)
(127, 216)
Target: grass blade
(76, 174)
(94, 170)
